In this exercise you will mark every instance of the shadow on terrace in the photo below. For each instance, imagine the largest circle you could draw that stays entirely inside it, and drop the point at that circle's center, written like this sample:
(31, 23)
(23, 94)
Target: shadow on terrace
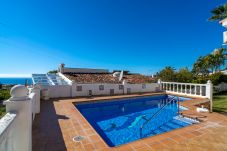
(46, 131)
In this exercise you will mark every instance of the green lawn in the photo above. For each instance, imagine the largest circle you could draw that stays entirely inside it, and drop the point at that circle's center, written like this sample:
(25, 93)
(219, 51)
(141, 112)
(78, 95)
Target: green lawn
(220, 103)
(4, 95)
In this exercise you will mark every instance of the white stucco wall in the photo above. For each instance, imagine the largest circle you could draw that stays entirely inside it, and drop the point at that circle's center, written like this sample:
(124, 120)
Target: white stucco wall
(135, 88)
(59, 91)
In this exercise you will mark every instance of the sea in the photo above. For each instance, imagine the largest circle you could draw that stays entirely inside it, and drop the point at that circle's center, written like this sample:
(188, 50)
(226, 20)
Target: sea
(14, 81)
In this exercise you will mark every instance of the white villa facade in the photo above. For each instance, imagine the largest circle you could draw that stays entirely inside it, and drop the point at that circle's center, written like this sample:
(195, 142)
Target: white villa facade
(21, 108)
(75, 82)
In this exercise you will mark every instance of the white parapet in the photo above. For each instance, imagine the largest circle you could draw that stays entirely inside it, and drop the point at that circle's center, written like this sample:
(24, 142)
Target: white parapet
(21, 130)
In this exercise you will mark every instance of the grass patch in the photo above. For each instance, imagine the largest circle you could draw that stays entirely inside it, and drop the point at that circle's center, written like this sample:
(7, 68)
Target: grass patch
(220, 103)
(4, 95)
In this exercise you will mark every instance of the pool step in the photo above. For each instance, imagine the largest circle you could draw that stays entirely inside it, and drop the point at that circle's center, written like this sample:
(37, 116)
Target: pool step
(177, 122)
(186, 119)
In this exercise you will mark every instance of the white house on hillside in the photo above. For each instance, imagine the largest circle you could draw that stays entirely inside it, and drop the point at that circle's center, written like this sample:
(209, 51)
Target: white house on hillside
(224, 24)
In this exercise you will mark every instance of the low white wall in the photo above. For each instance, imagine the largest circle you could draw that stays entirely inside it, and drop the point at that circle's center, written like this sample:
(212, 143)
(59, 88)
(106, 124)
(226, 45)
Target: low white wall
(57, 91)
(138, 88)
(135, 88)
(16, 125)
(220, 88)
(7, 131)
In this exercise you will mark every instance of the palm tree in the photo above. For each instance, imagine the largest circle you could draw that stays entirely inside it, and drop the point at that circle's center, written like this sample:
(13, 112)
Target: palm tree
(219, 58)
(219, 13)
(201, 66)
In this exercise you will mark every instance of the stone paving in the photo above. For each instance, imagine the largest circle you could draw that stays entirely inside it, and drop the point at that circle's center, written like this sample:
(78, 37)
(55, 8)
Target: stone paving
(59, 121)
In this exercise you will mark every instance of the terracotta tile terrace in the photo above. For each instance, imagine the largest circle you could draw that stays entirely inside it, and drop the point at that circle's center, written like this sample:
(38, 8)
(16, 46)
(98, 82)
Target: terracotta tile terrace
(59, 121)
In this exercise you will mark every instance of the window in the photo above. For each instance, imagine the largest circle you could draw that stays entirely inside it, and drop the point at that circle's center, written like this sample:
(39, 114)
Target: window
(111, 91)
(121, 87)
(78, 88)
(90, 92)
(143, 86)
(101, 87)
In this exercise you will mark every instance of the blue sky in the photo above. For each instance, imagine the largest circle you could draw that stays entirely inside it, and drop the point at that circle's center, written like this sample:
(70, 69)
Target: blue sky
(138, 35)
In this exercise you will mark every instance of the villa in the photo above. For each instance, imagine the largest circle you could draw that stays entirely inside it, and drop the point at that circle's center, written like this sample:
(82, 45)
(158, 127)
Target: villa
(95, 109)
(183, 107)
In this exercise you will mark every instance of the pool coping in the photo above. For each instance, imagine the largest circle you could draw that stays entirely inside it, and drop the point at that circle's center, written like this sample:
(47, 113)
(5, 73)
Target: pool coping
(133, 96)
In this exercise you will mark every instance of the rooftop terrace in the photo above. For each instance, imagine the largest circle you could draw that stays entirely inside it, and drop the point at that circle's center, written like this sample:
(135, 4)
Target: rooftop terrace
(59, 121)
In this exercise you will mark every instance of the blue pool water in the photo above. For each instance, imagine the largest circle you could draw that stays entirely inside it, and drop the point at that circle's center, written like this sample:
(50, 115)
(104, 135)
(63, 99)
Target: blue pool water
(119, 121)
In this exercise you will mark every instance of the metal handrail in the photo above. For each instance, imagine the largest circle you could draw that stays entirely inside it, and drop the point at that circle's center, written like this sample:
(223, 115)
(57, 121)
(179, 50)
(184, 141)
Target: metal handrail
(156, 113)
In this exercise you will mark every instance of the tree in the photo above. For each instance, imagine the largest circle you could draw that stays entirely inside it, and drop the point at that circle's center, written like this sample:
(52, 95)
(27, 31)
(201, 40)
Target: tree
(53, 71)
(210, 63)
(167, 74)
(184, 75)
(201, 67)
(219, 13)
(219, 58)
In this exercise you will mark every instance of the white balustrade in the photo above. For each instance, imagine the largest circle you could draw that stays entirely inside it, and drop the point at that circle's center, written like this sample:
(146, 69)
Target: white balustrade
(187, 89)
(16, 125)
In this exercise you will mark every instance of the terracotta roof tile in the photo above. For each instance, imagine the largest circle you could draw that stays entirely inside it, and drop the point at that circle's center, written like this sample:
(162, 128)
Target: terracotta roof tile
(108, 78)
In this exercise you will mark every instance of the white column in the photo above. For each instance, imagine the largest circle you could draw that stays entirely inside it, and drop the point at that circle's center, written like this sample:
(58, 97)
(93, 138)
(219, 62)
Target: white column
(190, 90)
(209, 93)
(185, 89)
(201, 90)
(36, 90)
(160, 84)
(181, 87)
(195, 89)
(177, 88)
(173, 87)
(21, 104)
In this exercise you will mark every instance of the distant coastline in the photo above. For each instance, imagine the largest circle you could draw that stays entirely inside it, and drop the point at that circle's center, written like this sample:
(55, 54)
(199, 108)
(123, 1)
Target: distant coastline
(15, 80)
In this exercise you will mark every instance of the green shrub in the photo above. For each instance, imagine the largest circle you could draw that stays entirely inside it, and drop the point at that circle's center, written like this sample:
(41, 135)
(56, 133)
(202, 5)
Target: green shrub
(4, 94)
(217, 78)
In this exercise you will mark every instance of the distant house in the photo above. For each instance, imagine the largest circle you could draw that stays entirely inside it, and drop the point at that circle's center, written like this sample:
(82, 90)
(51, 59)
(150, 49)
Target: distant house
(224, 24)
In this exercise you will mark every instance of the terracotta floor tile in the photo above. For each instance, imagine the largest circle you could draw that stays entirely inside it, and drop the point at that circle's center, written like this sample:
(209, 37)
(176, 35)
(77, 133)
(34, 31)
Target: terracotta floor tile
(168, 142)
(89, 147)
(145, 148)
(178, 138)
(99, 145)
(59, 121)
(124, 148)
(157, 146)
(137, 144)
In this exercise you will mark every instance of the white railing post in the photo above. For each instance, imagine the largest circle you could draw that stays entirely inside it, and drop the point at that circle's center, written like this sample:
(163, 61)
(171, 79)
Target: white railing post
(185, 89)
(209, 93)
(190, 90)
(195, 90)
(160, 84)
(201, 90)
(36, 90)
(21, 104)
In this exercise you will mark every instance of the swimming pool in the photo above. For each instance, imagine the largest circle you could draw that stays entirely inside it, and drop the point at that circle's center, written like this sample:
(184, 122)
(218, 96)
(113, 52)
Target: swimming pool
(119, 121)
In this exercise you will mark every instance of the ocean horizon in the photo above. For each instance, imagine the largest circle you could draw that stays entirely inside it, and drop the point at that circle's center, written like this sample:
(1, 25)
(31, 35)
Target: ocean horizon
(15, 80)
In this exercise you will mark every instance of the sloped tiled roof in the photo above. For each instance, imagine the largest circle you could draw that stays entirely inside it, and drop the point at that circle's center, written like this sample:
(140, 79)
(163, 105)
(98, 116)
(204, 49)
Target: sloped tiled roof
(108, 78)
